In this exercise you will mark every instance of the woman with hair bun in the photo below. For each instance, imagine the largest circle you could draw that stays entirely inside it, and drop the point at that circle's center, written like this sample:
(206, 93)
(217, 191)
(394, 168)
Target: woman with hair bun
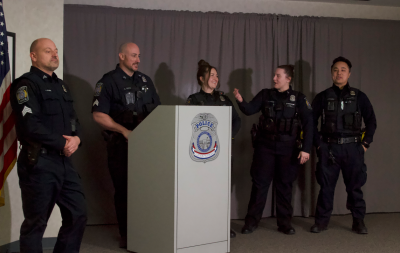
(278, 150)
(207, 78)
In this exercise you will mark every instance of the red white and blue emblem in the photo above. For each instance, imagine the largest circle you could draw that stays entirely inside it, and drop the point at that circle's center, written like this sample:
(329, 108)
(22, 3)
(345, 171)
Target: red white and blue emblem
(204, 145)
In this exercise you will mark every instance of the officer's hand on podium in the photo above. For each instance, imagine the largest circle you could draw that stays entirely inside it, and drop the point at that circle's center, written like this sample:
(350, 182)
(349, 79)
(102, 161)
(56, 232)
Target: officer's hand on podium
(126, 133)
(303, 156)
(71, 145)
(237, 95)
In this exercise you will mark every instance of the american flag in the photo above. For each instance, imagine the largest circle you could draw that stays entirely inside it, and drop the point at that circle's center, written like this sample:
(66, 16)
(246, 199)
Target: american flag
(8, 137)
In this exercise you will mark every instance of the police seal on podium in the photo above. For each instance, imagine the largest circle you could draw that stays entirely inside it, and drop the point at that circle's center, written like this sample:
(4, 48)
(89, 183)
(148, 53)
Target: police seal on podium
(204, 144)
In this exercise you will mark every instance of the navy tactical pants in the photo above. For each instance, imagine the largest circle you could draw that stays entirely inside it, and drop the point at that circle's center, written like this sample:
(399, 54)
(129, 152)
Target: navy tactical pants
(350, 159)
(53, 180)
(118, 166)
(268, 166)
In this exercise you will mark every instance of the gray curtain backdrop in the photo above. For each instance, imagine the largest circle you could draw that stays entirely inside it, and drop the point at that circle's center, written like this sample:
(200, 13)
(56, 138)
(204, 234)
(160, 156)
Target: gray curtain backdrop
(246, 49)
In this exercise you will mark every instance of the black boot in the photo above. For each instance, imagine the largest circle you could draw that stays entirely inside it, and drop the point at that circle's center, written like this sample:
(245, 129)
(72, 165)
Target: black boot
(359, 226)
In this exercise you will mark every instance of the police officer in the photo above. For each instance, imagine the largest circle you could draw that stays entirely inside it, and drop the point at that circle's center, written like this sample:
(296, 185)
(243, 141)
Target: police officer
(277, 152)
(207, 78)
(340, 145)
(48, 130)
(123, 98)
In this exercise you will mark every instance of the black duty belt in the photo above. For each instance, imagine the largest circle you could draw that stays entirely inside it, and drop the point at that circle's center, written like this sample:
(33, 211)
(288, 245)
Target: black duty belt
(342, 140)
(46, 151)
(277, 137)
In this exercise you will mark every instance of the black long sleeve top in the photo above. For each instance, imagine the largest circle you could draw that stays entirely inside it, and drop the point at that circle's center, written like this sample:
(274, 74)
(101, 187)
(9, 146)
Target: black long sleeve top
(366, 110)
(305, 114)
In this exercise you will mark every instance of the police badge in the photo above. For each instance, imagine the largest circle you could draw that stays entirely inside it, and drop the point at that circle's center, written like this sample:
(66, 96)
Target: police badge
(292, 98)
(65, 89)
(97, 90)
(144, 79)
(22, 95)
(204, 145)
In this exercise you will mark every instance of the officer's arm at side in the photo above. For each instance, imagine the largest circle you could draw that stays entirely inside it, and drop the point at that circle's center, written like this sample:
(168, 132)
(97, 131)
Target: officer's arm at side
(316, 111)
(108, 123)
(28, 113)
(253, 106)
(306, 117)
(368, 114)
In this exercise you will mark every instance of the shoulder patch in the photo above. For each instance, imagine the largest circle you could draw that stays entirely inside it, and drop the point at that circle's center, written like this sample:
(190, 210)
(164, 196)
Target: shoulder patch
(22, 95)
(308, 103)
(189, 101)
(97, 90)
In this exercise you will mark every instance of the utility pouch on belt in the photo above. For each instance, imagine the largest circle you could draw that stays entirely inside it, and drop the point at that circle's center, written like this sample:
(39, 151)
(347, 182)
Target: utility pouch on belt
(33, 151)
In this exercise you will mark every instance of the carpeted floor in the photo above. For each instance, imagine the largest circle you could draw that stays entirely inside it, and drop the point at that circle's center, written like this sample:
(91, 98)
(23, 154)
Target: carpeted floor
(384, 236)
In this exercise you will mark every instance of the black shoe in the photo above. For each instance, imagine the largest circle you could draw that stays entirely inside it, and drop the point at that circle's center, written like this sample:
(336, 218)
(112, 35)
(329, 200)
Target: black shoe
(123, 242)
(359, 226)
(287, 230)
(247, 229)
(317, 228)
(233, 234)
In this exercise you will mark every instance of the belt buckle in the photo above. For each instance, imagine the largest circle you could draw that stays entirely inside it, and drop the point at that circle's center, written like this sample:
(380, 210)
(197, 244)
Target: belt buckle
(340, 140)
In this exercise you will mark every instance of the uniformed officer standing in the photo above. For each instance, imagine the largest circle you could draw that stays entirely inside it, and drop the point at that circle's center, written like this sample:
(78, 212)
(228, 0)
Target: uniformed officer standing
(277, 152)
(123, 98)
(48, 130)
(207, 78)
(340, 145)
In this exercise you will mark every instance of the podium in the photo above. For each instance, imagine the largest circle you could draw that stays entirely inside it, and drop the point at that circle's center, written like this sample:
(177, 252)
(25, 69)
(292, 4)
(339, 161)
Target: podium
(179, 170)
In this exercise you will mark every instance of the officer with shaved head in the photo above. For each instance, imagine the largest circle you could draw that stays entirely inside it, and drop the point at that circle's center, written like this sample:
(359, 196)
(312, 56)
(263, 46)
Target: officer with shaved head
(123, 98)
(48, 131)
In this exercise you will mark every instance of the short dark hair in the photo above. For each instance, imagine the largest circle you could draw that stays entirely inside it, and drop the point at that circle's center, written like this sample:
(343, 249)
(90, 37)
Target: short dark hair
(342, 59)
(289, 71)
(204, 68)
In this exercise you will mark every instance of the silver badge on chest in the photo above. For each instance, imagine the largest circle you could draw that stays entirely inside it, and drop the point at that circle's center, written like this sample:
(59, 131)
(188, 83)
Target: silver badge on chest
(144, 79)
(292, 98)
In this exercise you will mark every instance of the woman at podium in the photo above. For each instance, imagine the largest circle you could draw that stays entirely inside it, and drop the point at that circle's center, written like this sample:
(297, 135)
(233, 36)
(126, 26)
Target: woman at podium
(207, 78)
(281, 141)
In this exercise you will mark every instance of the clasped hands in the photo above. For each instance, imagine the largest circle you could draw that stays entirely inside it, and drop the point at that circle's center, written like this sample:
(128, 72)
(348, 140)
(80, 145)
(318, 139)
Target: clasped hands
(71, 145)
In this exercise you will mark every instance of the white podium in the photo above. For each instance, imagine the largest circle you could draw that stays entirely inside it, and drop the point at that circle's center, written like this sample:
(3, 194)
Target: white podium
(179, 170)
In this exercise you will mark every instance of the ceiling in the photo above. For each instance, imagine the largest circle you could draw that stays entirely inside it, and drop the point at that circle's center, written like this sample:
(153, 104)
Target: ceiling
(394, 3)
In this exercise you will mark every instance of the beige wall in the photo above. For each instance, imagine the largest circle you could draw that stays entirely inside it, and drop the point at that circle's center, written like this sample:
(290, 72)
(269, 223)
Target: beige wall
(293, 8)
(29, 19)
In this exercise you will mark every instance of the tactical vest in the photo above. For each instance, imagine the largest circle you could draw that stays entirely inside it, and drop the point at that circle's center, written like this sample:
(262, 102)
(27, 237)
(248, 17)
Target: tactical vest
(134, 101)
(220, 101)
(288, 124)
(341, 115)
